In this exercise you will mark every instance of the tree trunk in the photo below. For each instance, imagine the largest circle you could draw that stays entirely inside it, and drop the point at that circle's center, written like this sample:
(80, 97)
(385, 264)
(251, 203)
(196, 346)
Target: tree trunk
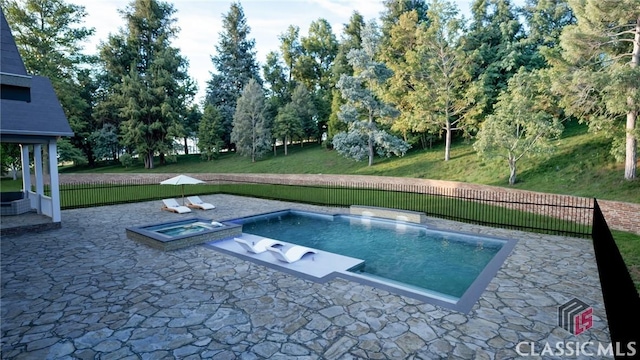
(186, 147)
(631, 156)
(370, 138)
(286, 140)
(447, 141)
(148, 160)
(512, 171)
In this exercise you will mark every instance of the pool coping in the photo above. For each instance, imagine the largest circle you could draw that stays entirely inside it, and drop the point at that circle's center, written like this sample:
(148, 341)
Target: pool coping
(463, 304)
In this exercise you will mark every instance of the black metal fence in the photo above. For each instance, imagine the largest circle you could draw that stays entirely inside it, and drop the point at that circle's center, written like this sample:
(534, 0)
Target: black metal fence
(621, 299)
(550, 214)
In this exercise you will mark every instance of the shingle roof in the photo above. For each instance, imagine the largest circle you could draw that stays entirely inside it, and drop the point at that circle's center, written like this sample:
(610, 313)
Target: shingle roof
(11, 62)
(42, 115)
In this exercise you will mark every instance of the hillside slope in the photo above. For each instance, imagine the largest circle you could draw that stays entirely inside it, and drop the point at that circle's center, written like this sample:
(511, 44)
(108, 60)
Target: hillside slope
(581, 166)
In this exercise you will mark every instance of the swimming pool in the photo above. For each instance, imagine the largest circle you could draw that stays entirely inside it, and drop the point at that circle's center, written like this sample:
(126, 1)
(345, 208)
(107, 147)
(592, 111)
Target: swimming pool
(444, 265)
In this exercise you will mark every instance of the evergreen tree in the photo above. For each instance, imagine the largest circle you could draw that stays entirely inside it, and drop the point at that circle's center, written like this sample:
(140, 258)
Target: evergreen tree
(105, 142)
(190, 124)
(335, 125)
(351, 39)
(251, 133)
(601, 88)
(395, 8)
(545, 21)
(210, 133)
(235, 64)
(494, 53)
(401, 40)
(49, 35)
(363, 109)
(116, 59)
(154, 82)
(522, 124)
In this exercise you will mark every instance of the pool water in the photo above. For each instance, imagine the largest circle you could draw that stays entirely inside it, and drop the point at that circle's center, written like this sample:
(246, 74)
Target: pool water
(183, 229)
(444, 262)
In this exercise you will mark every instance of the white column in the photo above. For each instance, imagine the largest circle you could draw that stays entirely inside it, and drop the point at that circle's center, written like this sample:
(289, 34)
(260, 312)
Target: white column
(37, 168)
(26, 174)
(37, 153)
(55, 187)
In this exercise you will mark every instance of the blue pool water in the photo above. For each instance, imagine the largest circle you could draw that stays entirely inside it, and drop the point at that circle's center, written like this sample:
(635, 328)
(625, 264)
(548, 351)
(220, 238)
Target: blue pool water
(443, 262)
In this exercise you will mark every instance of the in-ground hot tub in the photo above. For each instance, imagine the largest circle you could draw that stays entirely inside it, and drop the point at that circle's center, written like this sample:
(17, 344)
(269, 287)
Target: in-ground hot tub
(179, 234)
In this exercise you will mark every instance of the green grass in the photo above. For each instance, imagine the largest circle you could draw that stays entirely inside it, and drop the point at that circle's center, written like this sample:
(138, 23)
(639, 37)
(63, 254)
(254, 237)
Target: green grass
(629, 246)
(581, 166)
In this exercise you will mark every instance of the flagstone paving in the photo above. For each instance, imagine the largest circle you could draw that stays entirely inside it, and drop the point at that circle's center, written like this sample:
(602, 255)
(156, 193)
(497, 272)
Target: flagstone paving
(86, 291)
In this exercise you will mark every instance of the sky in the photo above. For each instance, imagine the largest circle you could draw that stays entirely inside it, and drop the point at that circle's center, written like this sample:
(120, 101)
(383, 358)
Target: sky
(200, 23)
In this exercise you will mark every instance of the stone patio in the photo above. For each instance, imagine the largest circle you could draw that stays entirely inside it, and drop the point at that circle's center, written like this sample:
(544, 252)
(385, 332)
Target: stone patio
(86, 291)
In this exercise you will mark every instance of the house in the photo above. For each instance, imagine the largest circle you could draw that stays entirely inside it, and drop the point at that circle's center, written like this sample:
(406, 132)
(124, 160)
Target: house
(31, 116)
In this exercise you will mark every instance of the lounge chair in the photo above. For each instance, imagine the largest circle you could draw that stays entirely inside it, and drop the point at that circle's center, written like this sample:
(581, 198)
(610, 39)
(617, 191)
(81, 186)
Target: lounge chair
(292, 254)
(257, 247)
(196, 203)
(172, 205)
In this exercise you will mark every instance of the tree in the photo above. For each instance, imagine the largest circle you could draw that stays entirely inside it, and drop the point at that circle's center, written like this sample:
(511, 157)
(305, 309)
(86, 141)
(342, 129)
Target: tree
(287, 125)
(250, 131)
(235, 64)
(313, 67)
(401, 40)
(68, 153)
(49, 35)
(275, 78)
(351, 39)
(296, 119)
(154, 82)
(10, 159)
(291, 48)
(210, 133)
(190, 124)
(545, 21)
(105, 142)
(522, 123)
(363, 109)
(601, 86)
(438, 76)
(494, 52)
(305, 111)
(394, 9)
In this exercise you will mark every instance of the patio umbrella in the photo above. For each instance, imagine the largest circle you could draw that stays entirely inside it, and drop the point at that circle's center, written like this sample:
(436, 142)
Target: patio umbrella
(181, 180)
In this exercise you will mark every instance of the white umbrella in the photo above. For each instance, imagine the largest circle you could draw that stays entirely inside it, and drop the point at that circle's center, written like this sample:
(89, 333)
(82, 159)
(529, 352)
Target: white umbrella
(181, 180)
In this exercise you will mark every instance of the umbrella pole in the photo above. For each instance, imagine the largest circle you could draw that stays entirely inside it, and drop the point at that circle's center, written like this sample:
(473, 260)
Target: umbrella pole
(182, 194)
